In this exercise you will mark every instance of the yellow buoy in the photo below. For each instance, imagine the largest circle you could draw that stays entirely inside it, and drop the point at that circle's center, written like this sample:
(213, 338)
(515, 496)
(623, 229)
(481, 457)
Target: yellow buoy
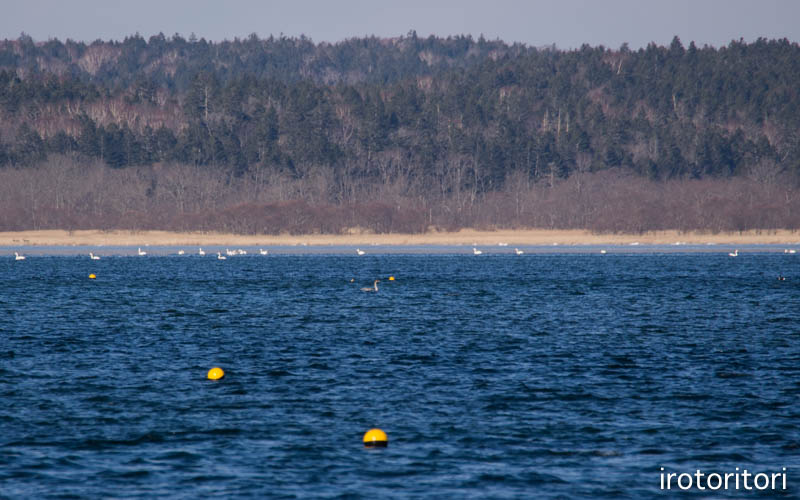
(391, 278)
(215, 373)
(375, 437)
(92, 276)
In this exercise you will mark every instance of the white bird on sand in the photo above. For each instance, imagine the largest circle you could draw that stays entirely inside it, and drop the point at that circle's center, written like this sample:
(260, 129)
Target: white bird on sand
(220, 256)
(518, 251)
(735, 253)
(262, 251)
(93, 256)
(201, 252)
(373, 288)
(141, 252)
(502, 244)
(476, 251)
(360, 252)
(18, 256)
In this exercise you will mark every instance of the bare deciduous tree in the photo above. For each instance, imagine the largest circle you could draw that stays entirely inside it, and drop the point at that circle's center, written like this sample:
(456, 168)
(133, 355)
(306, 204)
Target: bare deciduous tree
(67, 193)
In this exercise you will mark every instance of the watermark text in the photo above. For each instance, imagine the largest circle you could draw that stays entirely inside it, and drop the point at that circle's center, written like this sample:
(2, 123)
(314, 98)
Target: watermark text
(738, 480)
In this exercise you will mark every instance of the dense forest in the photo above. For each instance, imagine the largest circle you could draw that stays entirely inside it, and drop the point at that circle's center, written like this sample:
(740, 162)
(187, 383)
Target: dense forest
(405, 134)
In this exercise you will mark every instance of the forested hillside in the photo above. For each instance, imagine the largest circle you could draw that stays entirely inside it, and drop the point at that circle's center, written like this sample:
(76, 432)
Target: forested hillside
(267, 135)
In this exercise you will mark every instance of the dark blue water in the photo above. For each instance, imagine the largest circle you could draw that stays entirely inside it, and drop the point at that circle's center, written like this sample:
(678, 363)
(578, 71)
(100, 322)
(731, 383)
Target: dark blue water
(498, 376)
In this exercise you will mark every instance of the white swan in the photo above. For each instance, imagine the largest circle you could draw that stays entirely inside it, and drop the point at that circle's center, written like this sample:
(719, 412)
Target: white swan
(141, 252)
(93, 256)
(18, 256)
(735, 253)
(241, 252)
(360, 252)
(787, 250)
(476, 251)
(502, 244)
(262, 251)
(220, 256)
(181, 252)
(602, 251)
(201, 252)
(518, 251)
(373, 288)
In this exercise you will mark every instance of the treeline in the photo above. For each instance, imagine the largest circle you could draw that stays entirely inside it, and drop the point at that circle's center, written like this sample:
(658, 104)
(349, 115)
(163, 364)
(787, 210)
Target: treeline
(449, 121)
(64, 193)
(172, 62)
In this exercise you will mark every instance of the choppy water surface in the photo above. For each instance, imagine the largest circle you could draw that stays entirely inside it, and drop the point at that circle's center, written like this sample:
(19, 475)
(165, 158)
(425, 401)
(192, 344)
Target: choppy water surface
(554, 375)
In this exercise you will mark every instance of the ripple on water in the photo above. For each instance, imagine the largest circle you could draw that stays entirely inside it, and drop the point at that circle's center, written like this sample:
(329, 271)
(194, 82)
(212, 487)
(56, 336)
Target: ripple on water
(561, 376)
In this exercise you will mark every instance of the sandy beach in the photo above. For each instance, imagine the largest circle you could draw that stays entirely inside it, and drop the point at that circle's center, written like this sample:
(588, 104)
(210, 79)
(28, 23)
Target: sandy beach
(463, 237)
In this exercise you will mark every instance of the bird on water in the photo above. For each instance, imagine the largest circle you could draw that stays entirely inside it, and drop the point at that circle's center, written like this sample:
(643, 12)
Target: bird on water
(373, 288)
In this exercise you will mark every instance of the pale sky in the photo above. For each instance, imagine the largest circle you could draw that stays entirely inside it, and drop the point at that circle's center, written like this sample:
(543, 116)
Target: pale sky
(566, 23)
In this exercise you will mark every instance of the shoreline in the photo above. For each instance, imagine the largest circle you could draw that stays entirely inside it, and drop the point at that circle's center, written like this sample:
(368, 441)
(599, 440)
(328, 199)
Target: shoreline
(525, 237)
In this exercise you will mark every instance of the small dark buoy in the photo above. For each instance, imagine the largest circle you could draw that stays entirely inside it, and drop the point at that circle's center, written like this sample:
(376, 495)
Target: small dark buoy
(375, 438)
(781, 278)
